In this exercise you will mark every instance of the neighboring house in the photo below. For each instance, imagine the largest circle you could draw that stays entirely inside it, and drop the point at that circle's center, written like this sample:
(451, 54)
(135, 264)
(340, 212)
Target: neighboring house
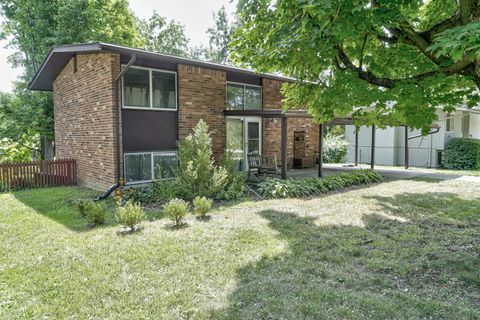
(160, 99)
(424, 151)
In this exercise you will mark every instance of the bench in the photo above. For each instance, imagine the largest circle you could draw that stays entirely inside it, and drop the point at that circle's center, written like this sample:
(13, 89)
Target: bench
(262, 165)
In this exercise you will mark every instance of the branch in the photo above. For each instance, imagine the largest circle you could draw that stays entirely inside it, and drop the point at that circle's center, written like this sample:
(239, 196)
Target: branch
(363, 50)
(368, 76)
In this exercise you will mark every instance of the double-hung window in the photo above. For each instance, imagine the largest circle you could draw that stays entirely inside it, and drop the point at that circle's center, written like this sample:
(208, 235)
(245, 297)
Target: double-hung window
(149, 166)
(149, 89)
(243, 97)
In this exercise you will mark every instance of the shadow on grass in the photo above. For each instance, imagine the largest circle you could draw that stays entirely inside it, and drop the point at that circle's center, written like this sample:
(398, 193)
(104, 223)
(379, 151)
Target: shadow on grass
(426, 267)
(59, 204)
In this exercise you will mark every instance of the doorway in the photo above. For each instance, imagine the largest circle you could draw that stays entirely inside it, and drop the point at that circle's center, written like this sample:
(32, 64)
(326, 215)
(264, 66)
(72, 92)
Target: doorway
(244, 137)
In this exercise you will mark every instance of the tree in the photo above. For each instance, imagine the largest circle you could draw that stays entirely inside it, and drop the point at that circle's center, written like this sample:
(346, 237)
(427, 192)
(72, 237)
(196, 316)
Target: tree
(220, 36)
(162, 36)
(386, 61)
(33, 28)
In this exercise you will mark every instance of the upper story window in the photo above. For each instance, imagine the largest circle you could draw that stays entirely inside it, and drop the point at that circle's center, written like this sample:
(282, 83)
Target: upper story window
(149, 89)
(450, 123)
(243, 97)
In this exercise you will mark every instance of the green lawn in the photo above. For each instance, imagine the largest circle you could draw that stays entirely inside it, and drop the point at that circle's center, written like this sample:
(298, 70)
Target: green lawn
(400, 249)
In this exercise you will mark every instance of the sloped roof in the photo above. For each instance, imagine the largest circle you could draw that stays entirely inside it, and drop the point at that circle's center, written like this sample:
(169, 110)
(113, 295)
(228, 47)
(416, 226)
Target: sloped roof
(59, 56)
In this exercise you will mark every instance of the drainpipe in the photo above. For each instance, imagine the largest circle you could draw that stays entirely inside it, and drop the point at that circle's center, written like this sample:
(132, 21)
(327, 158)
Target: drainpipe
(117, 115)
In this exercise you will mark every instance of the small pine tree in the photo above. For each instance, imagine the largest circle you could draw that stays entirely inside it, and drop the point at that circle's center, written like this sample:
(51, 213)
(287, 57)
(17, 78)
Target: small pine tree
(197, 173)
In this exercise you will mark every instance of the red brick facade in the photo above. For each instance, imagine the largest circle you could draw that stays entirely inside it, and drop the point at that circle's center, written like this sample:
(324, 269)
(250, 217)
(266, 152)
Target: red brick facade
(202, 95)
(84, 117)
(272, 99)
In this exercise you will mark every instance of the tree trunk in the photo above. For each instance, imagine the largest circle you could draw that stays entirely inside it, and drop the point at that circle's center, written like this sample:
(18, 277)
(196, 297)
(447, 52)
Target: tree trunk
(46, 149)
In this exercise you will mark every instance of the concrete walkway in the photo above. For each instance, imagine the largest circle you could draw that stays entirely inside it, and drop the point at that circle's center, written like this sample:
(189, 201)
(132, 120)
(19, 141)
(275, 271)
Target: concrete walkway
(390, 173)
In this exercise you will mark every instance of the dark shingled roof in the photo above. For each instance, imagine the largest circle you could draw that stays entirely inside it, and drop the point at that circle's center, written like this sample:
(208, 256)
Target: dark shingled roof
(59, 56)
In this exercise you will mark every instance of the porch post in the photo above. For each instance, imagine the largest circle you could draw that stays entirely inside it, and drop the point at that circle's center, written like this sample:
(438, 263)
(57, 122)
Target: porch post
(283, 147)
(372, 164)
(406, 149)
(320, 150)
(356, 145)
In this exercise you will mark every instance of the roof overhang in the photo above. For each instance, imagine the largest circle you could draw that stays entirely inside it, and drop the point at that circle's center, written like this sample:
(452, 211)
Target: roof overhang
(59, 57)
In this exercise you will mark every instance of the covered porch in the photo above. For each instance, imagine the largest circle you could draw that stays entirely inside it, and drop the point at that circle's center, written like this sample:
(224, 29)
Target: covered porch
(319, 170)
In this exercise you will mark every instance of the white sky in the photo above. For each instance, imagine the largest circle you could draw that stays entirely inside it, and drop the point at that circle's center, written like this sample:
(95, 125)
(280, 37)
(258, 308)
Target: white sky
(195, 15)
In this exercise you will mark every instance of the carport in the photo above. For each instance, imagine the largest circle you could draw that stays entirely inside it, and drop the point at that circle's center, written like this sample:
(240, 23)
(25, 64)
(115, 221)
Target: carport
(284, 115)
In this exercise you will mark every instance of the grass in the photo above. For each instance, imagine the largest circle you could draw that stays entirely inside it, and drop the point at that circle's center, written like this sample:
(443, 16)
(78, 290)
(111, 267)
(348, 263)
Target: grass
(400, 249)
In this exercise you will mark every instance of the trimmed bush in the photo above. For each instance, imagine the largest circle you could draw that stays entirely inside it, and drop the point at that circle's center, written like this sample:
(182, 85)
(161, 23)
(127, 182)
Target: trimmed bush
(334, 148)
(93, 212)
(130, 215)
(201, 206)
(303, 187)
(463, 154)
(176, 210)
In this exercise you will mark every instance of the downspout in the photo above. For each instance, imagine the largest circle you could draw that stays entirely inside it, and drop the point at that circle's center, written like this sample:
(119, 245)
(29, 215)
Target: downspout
(117, 130)
(117, 115)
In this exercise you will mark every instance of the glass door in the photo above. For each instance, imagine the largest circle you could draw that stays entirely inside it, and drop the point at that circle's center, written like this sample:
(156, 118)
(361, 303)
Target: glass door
(244, 137)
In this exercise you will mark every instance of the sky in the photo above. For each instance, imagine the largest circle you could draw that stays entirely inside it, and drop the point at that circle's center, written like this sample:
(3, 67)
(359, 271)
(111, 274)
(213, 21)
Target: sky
(195, 15)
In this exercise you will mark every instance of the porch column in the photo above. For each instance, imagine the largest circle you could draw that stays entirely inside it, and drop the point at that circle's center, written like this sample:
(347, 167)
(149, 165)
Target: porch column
(283, 147)
(356, 145)
(320, 150)
(406, 149)
(372, 164)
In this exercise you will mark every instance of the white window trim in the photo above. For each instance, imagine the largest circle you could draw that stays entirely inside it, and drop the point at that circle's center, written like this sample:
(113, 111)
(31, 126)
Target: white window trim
(246, 120)
(151, 108)
(245, 85)
(451, 118)
(153, 154)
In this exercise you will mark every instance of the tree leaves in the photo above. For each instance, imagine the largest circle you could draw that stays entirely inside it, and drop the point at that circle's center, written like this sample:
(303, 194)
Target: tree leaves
(363, 57)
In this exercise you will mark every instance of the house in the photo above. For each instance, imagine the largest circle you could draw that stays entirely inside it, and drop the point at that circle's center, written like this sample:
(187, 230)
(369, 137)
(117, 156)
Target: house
(119, 112)
(424, 151)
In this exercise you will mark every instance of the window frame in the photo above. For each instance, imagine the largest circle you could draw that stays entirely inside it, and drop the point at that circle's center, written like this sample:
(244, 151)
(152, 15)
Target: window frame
(150, 83)
(450, 123)
(152, 167)
(245, 85)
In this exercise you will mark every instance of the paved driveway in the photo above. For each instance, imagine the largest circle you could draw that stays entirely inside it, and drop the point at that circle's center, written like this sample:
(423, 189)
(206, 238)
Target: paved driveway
(391, 173)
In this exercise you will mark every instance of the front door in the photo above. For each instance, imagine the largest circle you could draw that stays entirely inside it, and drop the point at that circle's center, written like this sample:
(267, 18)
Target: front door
(244, 137)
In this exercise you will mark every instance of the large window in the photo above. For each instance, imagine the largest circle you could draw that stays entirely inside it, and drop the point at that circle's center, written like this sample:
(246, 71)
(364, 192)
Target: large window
(148, 166)
(243, 97)
(150, 89)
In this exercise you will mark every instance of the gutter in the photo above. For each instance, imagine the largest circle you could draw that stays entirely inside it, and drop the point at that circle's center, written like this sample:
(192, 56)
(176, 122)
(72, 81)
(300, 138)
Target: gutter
(117, 115)
(435, 130)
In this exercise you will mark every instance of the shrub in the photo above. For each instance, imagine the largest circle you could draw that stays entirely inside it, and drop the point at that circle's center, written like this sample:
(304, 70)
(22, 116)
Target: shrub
(138, 194)
(159, 190)
(202, 205)
(176, 209)
(235, 187)
(463, 154)
(130, 215)
(197, 175)
(334, 148)
(303, 187)
(93, 211)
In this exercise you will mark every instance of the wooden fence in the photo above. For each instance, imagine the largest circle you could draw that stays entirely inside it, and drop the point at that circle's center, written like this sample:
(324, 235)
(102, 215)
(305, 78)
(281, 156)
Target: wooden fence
(38, 174)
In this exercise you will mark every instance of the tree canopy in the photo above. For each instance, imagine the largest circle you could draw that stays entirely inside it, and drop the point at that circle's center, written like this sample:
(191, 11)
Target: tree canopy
(160, 35)
(33, 28)
(386, 61)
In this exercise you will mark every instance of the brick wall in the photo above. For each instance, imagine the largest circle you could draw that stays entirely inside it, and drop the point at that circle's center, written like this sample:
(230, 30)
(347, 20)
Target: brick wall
(84, 117)
(202, 95)
(272, 99)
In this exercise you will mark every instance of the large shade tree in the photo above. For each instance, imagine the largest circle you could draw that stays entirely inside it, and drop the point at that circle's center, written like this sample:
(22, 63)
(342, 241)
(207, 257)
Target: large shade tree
(386, 61)
(32, 27)
(163, 36)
